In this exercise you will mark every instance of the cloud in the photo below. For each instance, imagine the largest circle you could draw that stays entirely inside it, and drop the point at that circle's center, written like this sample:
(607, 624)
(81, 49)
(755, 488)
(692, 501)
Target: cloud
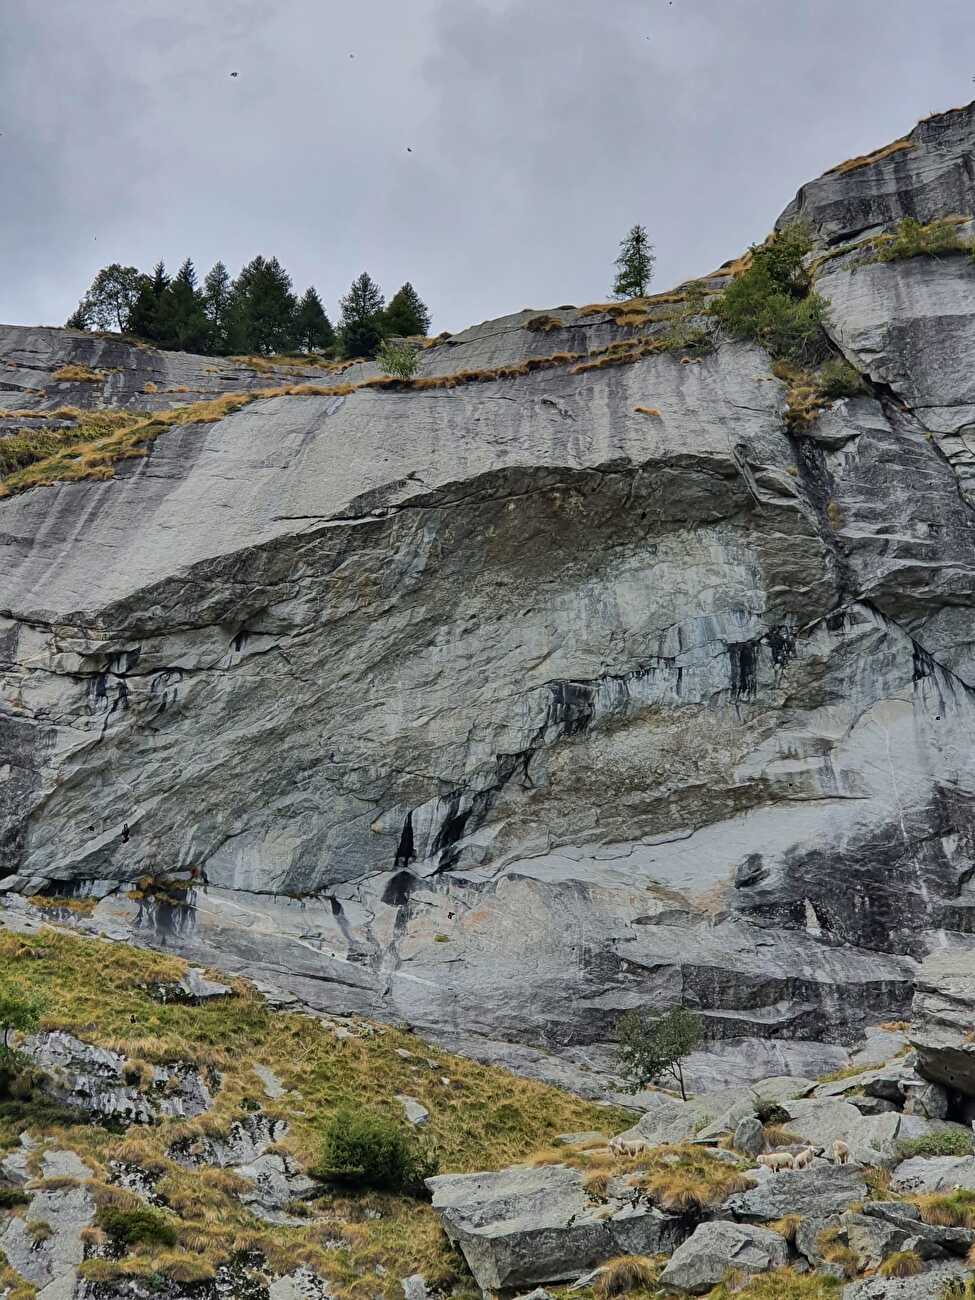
(540, 131)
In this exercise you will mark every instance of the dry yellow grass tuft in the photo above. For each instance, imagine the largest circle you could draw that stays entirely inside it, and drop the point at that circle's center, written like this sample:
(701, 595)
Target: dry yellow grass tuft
(543, 324)
(625, 1274)
(868, 159)
(78, 374)
(648, 410)
(903, 1263)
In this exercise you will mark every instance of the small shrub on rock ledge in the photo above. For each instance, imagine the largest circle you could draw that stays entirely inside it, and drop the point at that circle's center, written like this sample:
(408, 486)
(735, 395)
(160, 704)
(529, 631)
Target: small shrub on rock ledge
(364, 1149)
(649, 1050)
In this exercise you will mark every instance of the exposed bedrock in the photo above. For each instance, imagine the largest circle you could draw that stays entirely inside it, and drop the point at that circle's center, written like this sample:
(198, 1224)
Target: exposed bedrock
(504, 708)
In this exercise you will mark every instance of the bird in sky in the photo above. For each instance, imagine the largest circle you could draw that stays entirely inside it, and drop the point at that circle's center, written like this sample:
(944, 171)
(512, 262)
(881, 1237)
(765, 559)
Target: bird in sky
(234, 74)
(408, 149)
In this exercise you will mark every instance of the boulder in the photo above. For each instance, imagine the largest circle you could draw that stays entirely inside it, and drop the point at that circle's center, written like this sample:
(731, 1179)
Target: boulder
(749, 1136)
(934, 1174)
(943, 1017)
(816, 1192)
(929, 1100)
(414, 1112)
(872, 1240)
(872, 1139)
(705, 1257)
(930, 1240)
(929, 1285)
(529, 1226)
(415, 1287)
(302, 1284)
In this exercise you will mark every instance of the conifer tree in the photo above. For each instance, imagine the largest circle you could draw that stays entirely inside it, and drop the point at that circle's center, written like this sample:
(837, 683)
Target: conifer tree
(216, 304)
(182, 320)
(634, 265)
(80, 318)
(362, 317)
(144, 316)
(406, 314)
(263, 310)
(313, 329)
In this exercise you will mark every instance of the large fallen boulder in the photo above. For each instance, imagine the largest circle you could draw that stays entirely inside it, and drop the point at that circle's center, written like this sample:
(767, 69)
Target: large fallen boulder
(943, 1019)
(100, 1082)
(819, 1191)
(526, 1226)
(714, 1248)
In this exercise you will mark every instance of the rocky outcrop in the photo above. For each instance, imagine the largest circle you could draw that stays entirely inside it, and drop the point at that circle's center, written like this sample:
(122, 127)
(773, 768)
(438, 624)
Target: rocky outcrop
(943, 1024)
(433, 704)
(99, 1082)
(524, 1226)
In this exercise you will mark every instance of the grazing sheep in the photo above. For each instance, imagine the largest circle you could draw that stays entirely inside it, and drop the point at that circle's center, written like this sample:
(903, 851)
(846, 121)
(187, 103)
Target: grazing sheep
(804, 1159)
(778, 1160)
(841, 1152)
(628, 1146)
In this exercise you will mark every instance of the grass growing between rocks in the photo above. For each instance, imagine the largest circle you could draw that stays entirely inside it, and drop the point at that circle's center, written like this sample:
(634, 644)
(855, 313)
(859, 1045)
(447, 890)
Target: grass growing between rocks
(953, 1142)
(480, 1118)
(783, 1284)
(911, 238)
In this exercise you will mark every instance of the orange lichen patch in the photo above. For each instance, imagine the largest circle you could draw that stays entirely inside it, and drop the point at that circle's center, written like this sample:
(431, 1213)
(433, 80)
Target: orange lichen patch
(868, 159)
(648, 410)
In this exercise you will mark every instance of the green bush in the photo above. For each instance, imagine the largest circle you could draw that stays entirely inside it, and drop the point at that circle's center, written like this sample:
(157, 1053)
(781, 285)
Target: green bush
(397, 359)
(768, 1111)
(11, 1197)
(837, 378)
(911, 239)
(139, 1226)
(771, 303)
(952, 1142)
(364, 1149)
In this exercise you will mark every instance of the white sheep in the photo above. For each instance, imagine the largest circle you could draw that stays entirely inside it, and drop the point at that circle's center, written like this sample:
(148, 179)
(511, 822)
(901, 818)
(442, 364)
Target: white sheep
(804, 1159)
(628, 1146)
(778, 1160)
(841, 1152)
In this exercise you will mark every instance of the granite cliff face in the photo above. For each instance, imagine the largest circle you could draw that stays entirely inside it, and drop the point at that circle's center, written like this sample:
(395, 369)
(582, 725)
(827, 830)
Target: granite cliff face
(502, 708)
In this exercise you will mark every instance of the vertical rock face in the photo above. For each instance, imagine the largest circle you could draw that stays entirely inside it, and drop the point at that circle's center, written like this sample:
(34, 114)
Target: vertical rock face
(505, 707)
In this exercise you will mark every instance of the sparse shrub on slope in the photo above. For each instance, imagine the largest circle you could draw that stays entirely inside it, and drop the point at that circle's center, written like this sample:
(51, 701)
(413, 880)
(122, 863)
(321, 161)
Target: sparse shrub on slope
(399, 359)
(138, 1225)
(912, 239)
(366, 1149)
(771, 302)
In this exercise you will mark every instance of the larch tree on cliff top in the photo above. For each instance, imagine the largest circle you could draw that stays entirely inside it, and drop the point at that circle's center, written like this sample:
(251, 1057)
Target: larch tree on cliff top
(634, 266)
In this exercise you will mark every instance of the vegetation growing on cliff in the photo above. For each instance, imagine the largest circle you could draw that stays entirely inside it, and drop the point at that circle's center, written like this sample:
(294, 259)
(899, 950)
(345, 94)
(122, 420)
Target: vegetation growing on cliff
(912, 239)
(773, 304)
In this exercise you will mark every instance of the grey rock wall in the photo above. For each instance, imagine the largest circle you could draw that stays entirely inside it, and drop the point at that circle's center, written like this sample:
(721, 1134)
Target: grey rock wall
(504, 708)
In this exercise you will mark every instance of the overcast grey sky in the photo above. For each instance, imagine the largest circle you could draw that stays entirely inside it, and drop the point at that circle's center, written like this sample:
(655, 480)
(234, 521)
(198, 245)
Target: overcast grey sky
(540, 131)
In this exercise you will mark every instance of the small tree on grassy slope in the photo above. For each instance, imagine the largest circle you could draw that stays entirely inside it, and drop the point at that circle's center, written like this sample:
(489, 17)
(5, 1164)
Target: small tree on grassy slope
(634, 266)
(648, 1050)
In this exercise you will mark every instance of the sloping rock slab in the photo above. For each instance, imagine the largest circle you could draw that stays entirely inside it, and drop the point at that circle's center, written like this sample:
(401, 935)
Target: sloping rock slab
(93, 1079)
(704, 1259)
(938, 1174)
(943, 1015)
(276, 1181)
(67, 1211)
(929, 1239)
(522, 1226)
(819, 1191)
